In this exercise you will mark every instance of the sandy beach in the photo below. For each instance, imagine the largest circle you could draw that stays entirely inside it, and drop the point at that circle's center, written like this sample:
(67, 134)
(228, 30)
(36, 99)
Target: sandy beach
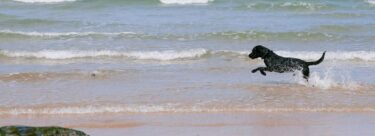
(220, 124)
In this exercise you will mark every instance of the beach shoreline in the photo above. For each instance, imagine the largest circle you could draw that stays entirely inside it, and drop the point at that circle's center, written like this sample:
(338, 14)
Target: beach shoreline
(235, 124)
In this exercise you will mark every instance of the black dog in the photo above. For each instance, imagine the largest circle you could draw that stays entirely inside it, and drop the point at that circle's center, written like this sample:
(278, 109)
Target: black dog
(276, 63)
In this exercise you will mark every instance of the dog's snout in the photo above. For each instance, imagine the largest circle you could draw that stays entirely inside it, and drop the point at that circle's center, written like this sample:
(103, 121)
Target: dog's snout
(251, 55)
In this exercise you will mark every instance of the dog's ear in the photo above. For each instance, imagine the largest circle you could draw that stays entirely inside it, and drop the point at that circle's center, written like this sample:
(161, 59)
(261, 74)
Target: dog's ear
(262, 50)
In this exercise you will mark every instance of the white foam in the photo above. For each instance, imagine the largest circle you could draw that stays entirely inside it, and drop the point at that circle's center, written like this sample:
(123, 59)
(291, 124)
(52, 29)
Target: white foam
(190, 53)
(71, 54)
(330, 55)
(301, 4)
(370, 1)
(183, 2)
(327, 80)
(44, 1)
(287, 5)
(56, 34)
(315, 55)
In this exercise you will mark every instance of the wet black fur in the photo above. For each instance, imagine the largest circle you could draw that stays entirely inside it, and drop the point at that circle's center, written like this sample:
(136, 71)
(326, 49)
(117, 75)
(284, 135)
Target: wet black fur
(276, 63)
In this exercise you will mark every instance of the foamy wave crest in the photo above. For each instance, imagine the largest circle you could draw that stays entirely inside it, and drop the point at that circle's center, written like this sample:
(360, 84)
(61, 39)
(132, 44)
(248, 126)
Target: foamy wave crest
(314, 55)
(165, 108)
(230, 35)
(288, 6)
(185, 1)
(57, 34)
(184, 54)
(44, 1)
(335, 55)
(71, 54)
(264, 35)
(370, 1)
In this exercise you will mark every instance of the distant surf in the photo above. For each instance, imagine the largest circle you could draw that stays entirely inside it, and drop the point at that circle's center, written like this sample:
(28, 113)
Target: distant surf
(298, 6)
(61, 34)
(228, 35)
(71, 54)
(44, 1)
(371, 1)
(165, 55)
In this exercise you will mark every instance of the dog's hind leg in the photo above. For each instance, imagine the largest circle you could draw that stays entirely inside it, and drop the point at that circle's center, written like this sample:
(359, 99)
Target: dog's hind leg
(306, 73)
(262, 72)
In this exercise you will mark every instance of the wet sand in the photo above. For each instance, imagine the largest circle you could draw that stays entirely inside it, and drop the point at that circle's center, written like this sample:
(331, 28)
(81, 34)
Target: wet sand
(218, 124)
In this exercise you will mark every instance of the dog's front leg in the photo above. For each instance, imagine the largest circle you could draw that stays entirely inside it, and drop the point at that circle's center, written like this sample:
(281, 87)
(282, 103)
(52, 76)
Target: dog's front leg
(261, 69)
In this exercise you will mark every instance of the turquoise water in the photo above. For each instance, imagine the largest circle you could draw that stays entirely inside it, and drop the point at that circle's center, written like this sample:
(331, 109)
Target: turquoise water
(75, 56)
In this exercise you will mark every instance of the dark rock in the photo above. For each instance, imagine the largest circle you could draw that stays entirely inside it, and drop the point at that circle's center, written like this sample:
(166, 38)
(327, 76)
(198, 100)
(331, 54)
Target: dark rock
(39, 131)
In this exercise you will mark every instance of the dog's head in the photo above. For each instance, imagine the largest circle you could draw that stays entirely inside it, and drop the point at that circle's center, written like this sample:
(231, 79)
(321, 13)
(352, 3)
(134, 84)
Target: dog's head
(259, 51)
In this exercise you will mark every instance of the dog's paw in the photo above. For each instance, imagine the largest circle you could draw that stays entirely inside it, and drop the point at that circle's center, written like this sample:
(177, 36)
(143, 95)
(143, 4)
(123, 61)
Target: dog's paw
(263, 73)
(254, 70)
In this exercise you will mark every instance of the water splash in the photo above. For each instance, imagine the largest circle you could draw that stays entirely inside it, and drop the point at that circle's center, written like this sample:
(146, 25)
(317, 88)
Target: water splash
(328, 80)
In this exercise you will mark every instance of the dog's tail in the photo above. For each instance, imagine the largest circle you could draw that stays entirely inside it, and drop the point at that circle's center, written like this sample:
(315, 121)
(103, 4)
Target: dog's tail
(318, 61)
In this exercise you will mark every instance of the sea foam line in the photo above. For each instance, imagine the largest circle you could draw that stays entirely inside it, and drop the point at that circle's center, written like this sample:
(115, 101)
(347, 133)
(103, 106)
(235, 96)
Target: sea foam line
(247, 35)
(184, 54)
(315, 55)
(57, 34)
(370, 1)
(331, 55)
(71, 54)
(287, 5)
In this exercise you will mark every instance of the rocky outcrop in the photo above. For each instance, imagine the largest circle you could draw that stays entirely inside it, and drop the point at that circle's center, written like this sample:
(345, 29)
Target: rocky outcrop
(39, 131)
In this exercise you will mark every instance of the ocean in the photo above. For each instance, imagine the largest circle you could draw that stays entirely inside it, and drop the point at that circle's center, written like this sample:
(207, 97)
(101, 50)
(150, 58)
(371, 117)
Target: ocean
(118, 57)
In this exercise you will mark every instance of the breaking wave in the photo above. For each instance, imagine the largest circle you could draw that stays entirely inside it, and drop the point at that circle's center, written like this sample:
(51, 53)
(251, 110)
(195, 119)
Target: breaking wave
(331, 55)
(230, 35)
(315, 55)
(263, 35)
(308, 6)
(370, 1)
(71, 54)
(290, 6)
(183, 54)
(61, 34)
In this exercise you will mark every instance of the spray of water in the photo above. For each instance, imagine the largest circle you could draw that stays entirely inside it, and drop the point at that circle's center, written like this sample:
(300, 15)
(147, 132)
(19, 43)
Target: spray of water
(328, 79)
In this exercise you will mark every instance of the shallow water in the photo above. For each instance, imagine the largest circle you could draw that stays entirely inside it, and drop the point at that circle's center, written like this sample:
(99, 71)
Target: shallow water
(91, 57)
